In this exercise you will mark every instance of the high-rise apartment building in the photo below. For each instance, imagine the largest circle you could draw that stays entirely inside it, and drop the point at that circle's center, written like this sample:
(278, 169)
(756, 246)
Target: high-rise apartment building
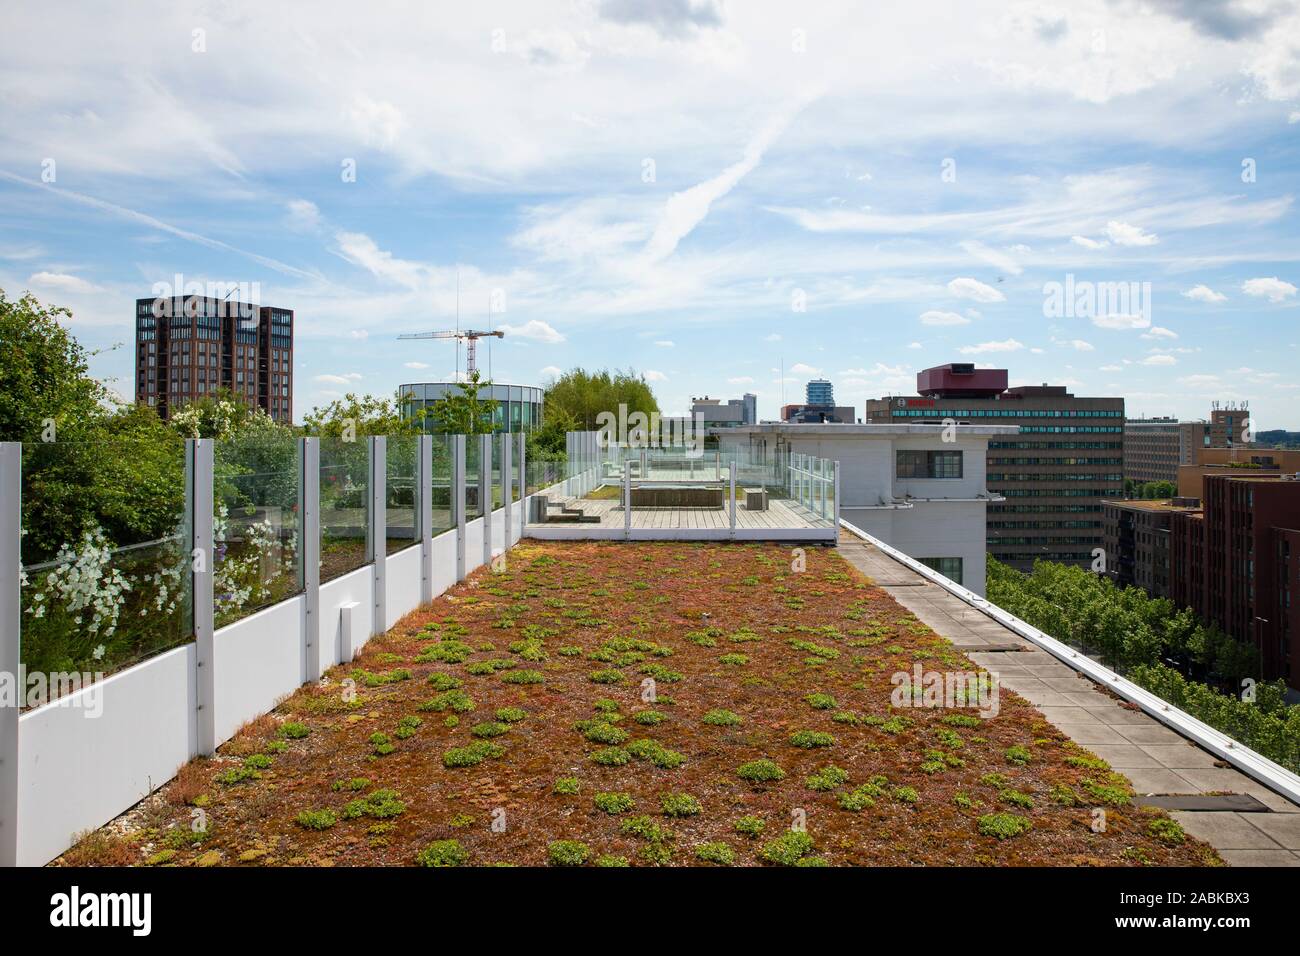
(187, 347)
(1067, 457)
(820, 392)
(1236, 562)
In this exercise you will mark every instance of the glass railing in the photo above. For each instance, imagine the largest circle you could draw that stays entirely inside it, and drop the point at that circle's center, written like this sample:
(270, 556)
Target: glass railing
(256, 492)
(402, 477)
(444, 518)
(344, 506)
(105, 578)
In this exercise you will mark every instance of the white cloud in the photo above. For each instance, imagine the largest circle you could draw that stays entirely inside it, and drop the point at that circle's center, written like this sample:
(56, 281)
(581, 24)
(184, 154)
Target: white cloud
(1006, 345)
(361, 250)
(740, 380)
(1159, 332)
(1159, 359)
(1122, 234)
(1089, 243)
(665, 343)
(1112, 368)
(1203, 293)
(1081, 346)
(772, 337)
(416, 365)
(62, 282)
(550, 371)
(964, 287)
(651, 375)
(1121, 321)
(935, 317)
(534, 330)
(303, 216)
(345, 379)
(1274, 289)
(358, 334)
(799, 368)
(915, 345)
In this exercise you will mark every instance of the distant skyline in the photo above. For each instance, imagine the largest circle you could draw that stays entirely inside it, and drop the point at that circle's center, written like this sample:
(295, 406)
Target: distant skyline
(704, 192)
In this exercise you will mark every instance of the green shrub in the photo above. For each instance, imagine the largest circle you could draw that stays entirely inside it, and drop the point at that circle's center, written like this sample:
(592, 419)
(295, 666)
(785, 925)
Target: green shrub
(1018, 755)
(750, 826)
(828, 778)
(648, 717)
(607, 676)
(679, 805)
(820, 701)
(613, 803)
(721, 718)
(787, 849)
(490, 728)
(567, 853)
(760, 771)
(473, 755)
(611, 757)
(733, 660)
(719, 853)
(809, 739)
(317, 819)
(442, 853)
(523, 677)
(294, 730)
(1004, 826)
(511, 715)
(1167, 831)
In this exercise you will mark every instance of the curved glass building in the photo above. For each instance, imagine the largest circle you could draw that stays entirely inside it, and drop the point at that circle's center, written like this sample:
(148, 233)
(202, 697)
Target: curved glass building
(519, 408)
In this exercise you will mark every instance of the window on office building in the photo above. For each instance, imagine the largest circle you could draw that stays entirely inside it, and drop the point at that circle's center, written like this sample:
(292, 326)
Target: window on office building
(929, 464)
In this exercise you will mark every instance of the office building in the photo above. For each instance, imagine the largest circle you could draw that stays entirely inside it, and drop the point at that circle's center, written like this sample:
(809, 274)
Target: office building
(1245, 460)
(714, 414)
(1066, 457)
(906, 484)
(1235, 563)
(1155, 448)
(519, 407)
(818, 414)
(188, 347)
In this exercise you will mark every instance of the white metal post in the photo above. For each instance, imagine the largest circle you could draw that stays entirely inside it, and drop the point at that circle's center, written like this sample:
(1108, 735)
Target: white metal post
(733, 498)
(11, 520)
(202, 565)
(837, 498)
(522, 438)
(379, 528)
(627, 503)
(507, 489)
(485, 494)
(821, 487)
(458, 500)
(424, 515)
(309, 552)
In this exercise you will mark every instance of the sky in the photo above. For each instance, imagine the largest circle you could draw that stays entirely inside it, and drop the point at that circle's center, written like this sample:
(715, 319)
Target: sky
(724, 196)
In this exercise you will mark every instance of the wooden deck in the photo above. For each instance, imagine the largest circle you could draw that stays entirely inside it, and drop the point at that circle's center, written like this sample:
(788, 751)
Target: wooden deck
(784, 520)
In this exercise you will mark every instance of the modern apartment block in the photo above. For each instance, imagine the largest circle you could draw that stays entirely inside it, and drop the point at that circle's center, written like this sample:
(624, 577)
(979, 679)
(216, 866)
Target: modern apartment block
(1235, 563)
(819, 392)
(1066, 456)
(1136, 536)
(906, 484)
(187, 347)
(714, 414)
(1155, 448)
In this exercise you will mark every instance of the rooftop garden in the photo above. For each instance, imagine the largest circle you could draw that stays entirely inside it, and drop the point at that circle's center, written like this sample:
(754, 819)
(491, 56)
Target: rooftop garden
(646, 704)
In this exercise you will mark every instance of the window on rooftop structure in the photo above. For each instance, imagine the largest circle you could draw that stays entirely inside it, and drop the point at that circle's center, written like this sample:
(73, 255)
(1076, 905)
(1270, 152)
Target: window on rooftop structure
(928, 464)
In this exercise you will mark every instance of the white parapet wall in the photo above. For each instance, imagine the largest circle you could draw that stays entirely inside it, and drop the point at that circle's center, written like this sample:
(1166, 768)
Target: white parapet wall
(92, 755)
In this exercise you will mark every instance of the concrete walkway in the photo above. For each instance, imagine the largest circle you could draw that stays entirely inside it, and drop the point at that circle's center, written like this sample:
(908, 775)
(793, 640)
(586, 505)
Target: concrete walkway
(1155, 759)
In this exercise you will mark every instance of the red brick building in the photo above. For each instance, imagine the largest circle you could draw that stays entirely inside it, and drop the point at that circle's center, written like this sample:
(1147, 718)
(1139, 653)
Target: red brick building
(1236, 563)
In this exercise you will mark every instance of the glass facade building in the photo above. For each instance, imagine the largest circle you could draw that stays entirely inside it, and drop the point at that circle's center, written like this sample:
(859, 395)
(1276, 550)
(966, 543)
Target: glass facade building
(519, 407)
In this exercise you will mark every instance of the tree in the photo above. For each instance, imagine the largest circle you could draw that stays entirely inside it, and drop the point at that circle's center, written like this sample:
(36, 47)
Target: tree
(354, 415)
(547, 442)
(582, 395)
(44, 376)
(464, 413)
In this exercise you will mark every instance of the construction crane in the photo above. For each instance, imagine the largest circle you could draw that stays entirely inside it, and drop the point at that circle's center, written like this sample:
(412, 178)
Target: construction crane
(471, 337)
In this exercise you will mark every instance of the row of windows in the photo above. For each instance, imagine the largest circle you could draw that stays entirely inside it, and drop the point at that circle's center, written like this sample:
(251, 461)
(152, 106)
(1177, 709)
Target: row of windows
(950, 568)
(1042, 525)
(1068, 429)
(1044, 509)
(1029, 556)
(1021, 542)
(1070, 445)
(1056, 461)
(928, 464)
(1040, 476)
(1009, 413)
(1060, 492)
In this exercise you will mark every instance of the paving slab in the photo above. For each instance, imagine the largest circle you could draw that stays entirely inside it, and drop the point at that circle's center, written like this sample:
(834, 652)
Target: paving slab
(1226, 831)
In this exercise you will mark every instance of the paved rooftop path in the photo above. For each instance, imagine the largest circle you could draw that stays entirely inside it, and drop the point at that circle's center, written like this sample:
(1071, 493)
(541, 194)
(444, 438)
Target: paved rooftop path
(1154, 758)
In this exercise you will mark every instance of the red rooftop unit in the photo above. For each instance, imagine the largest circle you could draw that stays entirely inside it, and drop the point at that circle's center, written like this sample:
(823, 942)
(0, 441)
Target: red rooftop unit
(961, 380)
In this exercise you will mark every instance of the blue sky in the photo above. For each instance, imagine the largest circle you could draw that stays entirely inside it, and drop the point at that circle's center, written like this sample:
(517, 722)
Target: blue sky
(704, 192)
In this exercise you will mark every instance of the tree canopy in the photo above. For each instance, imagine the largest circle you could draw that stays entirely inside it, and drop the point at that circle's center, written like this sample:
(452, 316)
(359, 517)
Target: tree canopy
(579, 396)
